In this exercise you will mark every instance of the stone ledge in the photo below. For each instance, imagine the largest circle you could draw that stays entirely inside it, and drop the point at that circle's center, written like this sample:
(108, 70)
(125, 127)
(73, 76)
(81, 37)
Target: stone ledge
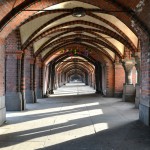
(2, 102)
(14, 101)
(2, 115)
(144, 114)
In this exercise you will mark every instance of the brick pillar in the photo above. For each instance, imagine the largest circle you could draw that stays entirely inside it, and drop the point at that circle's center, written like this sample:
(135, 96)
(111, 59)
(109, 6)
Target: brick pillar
(48, 78)
(22, 84)
(119, 78)
(137, 86)
(45, 80)
(59, 79)
(90, 78)
(37, 78)
(41, 79)
(28, 74)
(52, 76)
(93, 80)
(104, 79)
(98, 77)
(144, 106)
(14, 99)
(86, 79)
(2, 83)
(128, 88)
(109, 80)
(34, 82)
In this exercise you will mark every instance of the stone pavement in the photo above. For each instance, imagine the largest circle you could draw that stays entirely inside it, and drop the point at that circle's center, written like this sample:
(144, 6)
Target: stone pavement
(75, 118)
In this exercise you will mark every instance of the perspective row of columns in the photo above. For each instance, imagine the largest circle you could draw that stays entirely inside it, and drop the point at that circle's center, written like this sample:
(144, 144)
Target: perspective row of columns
(131, 93)
(55, 79)
(23, 80)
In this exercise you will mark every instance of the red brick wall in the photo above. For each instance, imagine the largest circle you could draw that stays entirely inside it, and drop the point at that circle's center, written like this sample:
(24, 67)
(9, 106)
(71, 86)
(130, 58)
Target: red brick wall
(27, 69)
(27, 74)
(2, 66)
(11, 62)
(11, 73)
(36, 76)
(119, 78)
(145, 70)
(38, 73)
(110, 80)
(12, 42)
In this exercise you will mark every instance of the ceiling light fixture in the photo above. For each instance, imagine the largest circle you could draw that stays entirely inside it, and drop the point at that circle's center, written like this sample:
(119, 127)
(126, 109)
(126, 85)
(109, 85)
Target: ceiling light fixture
(78, 12)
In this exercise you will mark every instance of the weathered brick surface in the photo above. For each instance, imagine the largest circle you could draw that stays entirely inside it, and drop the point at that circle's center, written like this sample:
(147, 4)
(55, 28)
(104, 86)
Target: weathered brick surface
(110, 80)
(27, 70)
(119, 79)
(12, 42)
(11, 62)
(38, 81)
(2, 67)
(11, 73)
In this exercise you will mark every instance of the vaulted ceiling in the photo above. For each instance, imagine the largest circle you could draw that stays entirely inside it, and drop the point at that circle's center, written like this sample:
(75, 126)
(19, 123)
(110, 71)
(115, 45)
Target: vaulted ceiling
(50, 27)
(56, 27)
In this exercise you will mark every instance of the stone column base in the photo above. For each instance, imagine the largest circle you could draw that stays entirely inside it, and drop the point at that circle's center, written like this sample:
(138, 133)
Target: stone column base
(2, 110)
(38, 93)
(14, 101)
(51, 92)
(128, 93)
(144, 114)
(109, 93)
(29, 96)
(34, 96)
(118, 94)
(98, 92)
(137, 98)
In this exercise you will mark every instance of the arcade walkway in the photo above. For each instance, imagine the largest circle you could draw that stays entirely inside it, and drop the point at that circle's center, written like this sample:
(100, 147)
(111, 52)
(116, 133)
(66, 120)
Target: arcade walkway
(79, 122)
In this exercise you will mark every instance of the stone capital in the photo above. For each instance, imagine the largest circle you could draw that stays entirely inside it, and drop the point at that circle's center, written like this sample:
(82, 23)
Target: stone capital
(118, 65)
(17, 54)
(27, 52)
(128, 64)
(137, 55)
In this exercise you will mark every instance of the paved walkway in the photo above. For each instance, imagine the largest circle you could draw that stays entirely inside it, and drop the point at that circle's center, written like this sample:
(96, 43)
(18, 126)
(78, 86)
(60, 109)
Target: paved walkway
(79, 122)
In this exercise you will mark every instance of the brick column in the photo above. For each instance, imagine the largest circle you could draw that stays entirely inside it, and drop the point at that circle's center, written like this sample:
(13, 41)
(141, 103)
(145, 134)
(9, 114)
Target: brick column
(119, 79)
(22, 89)
(29, 93)
(2, 83)
(45, 80)
(128, 88)
(59, 79)
(98, 77)
(137, 86)
(41, 79)
(86, 79)
(144, 106)
(14, 100)
(34, 82)
(109, 80)
(52, 75)
(37, 78)
(104, 79)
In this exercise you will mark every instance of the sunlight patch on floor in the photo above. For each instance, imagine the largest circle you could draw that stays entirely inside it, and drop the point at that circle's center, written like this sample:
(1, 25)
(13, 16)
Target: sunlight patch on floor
(71, 89)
